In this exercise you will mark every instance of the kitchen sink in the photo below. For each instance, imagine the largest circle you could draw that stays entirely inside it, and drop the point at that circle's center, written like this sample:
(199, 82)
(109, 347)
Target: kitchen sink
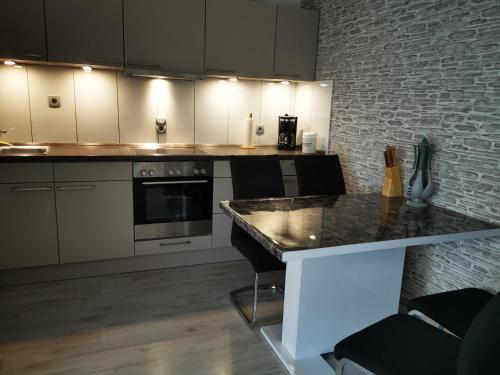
(24, 150)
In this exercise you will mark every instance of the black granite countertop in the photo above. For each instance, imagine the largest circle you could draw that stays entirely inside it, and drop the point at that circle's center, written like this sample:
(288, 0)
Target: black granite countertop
(284, 225)
(85, 153)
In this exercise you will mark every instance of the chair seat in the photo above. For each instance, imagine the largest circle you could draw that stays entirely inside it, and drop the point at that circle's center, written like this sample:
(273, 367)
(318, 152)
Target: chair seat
(402, 345)
(261, 259)
(455, 310)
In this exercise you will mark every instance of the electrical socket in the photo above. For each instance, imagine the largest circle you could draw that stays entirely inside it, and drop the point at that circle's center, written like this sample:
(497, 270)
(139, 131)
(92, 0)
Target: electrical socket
(259, 130)
(54, 101)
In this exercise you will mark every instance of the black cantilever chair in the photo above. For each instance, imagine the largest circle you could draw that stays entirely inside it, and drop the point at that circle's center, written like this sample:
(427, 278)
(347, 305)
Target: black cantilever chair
(255, 177)
(402, 344)
(319, 175)
(452, 311)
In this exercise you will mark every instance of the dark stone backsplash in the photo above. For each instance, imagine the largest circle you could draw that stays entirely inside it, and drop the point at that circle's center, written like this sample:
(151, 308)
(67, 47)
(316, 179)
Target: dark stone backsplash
(404, 69)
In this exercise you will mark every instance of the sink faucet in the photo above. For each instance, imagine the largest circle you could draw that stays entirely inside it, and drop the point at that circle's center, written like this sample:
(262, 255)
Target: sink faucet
(4, 131)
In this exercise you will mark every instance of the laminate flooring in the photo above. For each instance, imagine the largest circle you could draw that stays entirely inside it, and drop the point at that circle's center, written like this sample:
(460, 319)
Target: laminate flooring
(169, 321)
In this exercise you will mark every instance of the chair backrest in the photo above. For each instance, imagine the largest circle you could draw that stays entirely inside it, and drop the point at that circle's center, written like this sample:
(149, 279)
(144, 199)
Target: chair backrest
(480, 349)
(319, 175)
(256, 177)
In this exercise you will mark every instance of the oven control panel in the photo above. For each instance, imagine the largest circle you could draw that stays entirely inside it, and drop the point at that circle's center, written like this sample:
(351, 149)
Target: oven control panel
(173, 169)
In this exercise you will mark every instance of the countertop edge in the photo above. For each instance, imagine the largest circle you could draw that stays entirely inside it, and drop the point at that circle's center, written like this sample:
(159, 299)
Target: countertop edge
(130, 158)
(254, 233)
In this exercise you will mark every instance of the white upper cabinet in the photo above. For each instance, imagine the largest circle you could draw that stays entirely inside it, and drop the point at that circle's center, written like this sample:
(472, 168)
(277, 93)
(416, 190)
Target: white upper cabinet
(166, 36)
(240, 38)
(296, 43)
(85, 31)
(22, 29)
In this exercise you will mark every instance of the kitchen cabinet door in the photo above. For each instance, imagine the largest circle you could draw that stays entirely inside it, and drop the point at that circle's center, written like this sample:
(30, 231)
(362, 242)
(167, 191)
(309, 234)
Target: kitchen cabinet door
(95, 220)
(223, 191)
(291, 186)
(221, 231)
(240, 38)
(28, 225)
(22, 29)
(85, 31)
(166, 36)
(296, 43)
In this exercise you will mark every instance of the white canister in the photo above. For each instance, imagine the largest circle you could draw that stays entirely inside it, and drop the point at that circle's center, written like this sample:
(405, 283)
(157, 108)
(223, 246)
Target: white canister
(309, 140)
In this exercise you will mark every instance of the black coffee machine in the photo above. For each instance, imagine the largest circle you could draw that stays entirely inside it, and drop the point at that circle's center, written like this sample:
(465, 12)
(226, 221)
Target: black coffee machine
(287, 132)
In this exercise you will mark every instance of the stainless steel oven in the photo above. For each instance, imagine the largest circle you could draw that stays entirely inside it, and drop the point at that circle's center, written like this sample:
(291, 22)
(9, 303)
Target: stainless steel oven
(172, 199)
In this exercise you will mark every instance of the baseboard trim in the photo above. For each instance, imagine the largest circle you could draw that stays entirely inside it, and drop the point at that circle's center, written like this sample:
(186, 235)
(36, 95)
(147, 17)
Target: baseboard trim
(113, 266)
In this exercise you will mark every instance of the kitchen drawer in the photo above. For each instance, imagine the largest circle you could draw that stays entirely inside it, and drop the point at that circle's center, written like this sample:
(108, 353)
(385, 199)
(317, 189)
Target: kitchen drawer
(173, 245)
(26, 172)
(97, 171)
(222, 169)
(288, 167)
(223, 191)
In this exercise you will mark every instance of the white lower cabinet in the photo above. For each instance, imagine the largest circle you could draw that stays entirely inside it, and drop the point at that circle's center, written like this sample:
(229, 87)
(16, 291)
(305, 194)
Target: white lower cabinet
(221, 230)
(291, 186)
(223, 191)
(173, 245)
(28, 228)
(95, 220)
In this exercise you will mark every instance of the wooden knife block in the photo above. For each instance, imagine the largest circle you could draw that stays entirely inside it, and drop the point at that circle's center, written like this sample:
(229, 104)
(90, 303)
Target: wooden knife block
(392, 182)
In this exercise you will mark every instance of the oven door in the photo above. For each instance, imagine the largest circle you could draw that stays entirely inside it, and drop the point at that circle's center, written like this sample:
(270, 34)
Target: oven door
(172, 207)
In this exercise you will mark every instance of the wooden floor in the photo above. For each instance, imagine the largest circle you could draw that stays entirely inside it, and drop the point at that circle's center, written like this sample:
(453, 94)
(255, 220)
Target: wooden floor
(170, 321)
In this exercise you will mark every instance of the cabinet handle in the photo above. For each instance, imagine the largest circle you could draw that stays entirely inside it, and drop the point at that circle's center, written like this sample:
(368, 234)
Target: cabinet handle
(28, 55)
(20, 190)
(88, 187)
(180, 182)
(105, 62)
(175, 243)
(280, 75)
(140, 65)
(221, 71)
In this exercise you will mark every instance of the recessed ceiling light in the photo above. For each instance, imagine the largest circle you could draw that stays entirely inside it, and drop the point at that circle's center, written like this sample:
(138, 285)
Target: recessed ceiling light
(87, 68)
(323, 84)
(285, 83)
(233, 79)
(9, 62)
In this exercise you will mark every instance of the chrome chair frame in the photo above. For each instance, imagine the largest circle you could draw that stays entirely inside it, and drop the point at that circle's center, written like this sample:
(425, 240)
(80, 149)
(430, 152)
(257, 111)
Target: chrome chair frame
(233, 294)
(347, 367)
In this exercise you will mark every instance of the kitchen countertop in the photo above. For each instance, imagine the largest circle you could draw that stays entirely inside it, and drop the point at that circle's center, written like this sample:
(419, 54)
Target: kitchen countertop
(348, 223)
(82, 153)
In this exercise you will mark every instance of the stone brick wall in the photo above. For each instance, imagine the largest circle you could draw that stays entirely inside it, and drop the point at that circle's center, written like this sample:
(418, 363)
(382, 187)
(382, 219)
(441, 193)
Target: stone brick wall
(403, 69)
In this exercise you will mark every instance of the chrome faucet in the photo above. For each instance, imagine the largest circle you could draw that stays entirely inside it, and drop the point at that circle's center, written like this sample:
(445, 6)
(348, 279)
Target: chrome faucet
(4, 131)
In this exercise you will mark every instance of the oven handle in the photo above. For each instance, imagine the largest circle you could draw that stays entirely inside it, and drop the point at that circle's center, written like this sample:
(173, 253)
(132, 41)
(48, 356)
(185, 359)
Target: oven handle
(175, 182)
(175, 243)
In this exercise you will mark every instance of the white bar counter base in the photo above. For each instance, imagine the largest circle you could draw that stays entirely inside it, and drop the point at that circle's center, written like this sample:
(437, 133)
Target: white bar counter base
(344, 260)
(330, 298)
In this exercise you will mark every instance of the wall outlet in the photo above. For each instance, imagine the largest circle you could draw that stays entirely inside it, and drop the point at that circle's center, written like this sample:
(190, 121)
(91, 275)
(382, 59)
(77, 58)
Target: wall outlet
(259, 130)
(54, 101)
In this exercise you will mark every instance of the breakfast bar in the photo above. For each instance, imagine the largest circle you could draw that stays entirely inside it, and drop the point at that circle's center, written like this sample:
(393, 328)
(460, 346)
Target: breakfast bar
(344, 260)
